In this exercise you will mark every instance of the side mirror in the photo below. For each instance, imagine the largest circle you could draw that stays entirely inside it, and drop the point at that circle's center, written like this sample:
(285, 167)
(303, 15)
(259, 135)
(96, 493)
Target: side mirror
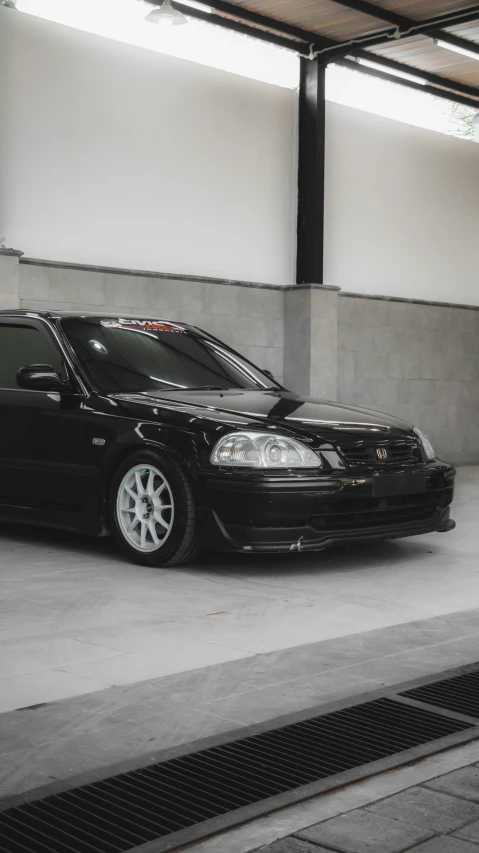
(41, 377)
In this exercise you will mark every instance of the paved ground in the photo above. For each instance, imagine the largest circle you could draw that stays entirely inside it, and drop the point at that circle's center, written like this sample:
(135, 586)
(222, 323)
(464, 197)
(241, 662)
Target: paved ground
(439, 816)
(430, 802)
(76, 618)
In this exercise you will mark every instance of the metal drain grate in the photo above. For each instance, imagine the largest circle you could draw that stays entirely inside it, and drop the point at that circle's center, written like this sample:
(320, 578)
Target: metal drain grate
(459, 694)
(134, 808)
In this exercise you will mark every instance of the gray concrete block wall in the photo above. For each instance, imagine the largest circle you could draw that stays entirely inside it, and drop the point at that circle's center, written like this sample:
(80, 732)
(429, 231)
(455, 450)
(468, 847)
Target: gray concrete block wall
(250, 319)
(417, 361)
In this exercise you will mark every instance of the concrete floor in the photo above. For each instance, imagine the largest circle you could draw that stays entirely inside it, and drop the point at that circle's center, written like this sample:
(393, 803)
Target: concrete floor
(118, 664)
(76, 618)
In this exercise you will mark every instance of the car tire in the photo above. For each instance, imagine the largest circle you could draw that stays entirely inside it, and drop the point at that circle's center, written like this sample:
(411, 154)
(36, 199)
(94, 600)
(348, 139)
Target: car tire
(153, 511)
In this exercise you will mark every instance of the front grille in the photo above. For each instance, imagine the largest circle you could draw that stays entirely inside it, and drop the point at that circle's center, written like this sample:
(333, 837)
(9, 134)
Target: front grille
(363, 512)
(161, 800)
(401, 452)
(459, 694)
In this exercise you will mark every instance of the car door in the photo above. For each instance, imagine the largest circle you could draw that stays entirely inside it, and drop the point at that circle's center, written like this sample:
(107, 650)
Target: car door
(43, 465)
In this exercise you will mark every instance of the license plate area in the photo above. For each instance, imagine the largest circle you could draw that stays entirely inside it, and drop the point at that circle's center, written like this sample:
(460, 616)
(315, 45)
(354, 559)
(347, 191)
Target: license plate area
(387, 485)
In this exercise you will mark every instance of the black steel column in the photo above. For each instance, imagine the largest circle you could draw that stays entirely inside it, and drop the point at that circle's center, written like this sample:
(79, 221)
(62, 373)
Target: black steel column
(309, 259)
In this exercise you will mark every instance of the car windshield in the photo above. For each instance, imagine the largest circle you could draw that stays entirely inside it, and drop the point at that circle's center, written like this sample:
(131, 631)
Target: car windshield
(133, 355)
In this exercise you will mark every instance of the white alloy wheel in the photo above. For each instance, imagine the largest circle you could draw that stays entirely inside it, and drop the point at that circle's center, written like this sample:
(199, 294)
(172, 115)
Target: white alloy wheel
(145, 508)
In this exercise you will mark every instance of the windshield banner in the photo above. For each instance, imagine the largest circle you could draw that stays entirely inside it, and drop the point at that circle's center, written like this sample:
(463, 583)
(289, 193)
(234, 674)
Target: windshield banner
(150, 325)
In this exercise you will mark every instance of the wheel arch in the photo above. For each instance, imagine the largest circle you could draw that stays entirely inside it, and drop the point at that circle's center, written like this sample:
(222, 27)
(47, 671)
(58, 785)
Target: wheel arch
(122, 451)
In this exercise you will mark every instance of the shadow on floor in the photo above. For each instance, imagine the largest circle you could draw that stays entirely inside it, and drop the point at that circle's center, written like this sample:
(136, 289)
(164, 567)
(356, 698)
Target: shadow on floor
(346, 558)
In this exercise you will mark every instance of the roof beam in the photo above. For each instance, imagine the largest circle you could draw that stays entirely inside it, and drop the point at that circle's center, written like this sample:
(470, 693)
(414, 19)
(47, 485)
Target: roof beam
(374, 11)
(406, 27)
(302, 41)
(447, 19)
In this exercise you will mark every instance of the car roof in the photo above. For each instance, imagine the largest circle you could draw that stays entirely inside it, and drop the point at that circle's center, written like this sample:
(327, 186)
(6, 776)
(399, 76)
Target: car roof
(55, 315)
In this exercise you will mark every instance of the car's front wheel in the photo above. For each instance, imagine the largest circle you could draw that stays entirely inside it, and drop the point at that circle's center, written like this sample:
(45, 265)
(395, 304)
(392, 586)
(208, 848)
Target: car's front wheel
(153, 511)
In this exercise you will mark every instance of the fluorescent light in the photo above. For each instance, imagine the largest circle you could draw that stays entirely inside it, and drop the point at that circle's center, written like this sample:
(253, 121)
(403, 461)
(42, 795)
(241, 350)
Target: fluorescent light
(462, 50)
(404, 74)
(201, 6)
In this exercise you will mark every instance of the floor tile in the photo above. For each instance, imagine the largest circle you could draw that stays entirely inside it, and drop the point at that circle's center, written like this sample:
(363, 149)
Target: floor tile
(362, 831)
(293, 845)
(462, 783)
(430, 809)
(469, 832)
(445, 844)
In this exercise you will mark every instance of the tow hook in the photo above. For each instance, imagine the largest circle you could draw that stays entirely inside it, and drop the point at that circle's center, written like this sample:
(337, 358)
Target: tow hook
(297, 546)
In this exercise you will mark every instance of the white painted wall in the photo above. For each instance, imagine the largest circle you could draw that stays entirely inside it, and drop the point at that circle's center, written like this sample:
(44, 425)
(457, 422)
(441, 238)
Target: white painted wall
(114, 155)
(402, 209)
(119, 156)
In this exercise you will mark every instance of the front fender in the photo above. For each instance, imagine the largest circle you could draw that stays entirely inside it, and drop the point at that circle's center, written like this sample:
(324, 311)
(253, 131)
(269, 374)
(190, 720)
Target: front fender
(180, 444)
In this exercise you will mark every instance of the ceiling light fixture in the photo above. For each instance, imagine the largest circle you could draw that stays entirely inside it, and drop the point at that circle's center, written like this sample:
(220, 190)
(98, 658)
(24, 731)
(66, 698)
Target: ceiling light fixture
(166, 14)
(403, 74)
(462, 50)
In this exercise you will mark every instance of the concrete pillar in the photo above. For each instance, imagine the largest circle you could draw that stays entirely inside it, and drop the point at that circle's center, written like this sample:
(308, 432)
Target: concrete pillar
(9, 278)
(311, 340)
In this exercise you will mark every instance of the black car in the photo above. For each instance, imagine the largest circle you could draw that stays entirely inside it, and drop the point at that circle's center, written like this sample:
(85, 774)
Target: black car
(163, 435)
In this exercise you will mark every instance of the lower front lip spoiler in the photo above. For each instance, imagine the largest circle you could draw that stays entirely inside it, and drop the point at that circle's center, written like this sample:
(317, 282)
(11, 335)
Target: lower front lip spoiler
(310, 542)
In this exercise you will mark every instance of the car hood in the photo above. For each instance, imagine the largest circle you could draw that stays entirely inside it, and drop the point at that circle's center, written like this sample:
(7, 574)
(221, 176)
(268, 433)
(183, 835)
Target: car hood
(270, 408)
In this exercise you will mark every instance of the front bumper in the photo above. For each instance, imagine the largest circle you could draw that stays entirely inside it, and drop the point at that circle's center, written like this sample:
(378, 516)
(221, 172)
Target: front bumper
(248, 512)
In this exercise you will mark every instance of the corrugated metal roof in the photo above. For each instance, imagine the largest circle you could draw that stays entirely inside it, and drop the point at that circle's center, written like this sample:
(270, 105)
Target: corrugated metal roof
(344, 22)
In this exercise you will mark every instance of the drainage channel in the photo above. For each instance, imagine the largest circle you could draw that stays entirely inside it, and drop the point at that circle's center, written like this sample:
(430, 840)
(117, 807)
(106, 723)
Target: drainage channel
(162, 805)
(459, 694)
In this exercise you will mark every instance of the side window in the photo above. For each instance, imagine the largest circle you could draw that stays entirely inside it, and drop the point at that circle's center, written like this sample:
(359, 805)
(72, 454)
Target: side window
(22, 345)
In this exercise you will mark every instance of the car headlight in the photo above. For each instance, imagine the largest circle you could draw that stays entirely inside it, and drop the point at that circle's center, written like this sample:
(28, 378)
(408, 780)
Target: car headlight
(426, 444)
(263, 450)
